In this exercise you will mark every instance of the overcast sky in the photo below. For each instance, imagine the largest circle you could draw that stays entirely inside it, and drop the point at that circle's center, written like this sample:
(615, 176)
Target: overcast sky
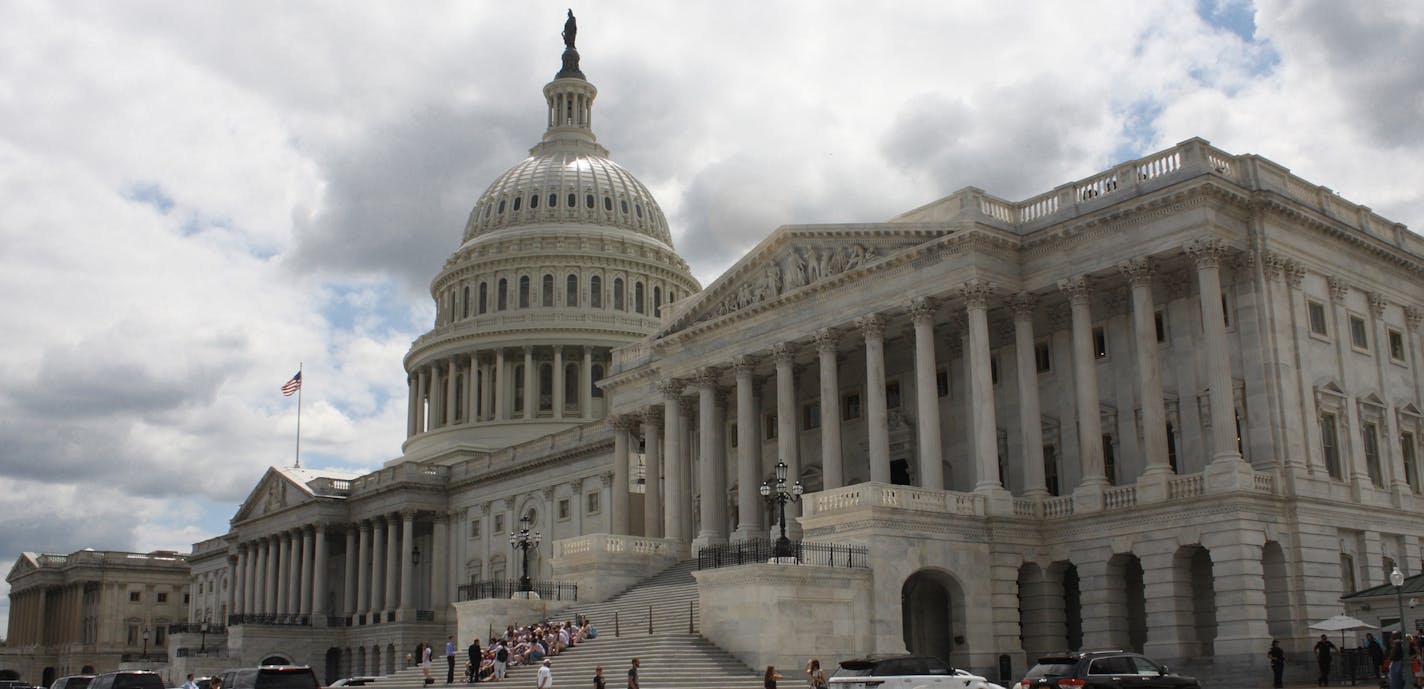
(197, 196)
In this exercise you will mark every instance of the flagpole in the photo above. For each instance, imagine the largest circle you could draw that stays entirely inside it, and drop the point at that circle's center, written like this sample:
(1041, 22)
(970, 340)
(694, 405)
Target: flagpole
(299, 418)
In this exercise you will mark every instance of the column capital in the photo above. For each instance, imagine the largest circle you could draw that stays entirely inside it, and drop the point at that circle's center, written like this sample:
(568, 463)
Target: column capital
(653, 417)
(606, 478)
(485, 508)
(1206, 252)
(871, 326)
(547, 492)
(1377, 303)
(742, 365)
(1022, 305)
(1338, 289)
(1294, 273)
(782, 353)
(671, 388)
(920, 310)
(620, 422)
(1272, 264)
(1414, 316)
(1079, 289)
(826, 339)
(705, 377)
(688, 405)
(364, 525)
(976, 293)
(1138, 271)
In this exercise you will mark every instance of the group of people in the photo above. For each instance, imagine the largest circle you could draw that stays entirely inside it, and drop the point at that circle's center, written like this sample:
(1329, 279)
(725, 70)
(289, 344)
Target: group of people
(1400, 664)
(815, 676)
(531, 645)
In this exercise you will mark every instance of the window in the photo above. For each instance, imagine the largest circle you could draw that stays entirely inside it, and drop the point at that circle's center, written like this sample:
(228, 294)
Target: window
(1225, 310)
(1411, 470)
(517, 201)
(1109, 459)
(553, 200)
(502, 295)
(993, 370)
(1316, 311)
(607, 203)
(588, 200)
(519, 388)
(590, 502)
(573, 200)
(499, 523)
(1396, 345)
(595, 292)
(1042, 357)
(618, 294)
(571, 291)
(657, 301)
(133, 634)
(571, 386)
(546, 387)
(160, 635)
(732, 435)
(484, 296)
(465, 302)
(1330, 445)
(474, 528)
(1100, 344)
(1372, 458)
(1159, 321)
(769, 427)
(942, 382)
(135, 597)
(595, 374)
(524, 292)
(811, 416)
(1359, 338)
(638, 297)
(1347, 572)
(546, 292)
(1171, 447)
(850, 406)
(892, 395)
(163, 597)
(563, 509)
(1050, 469)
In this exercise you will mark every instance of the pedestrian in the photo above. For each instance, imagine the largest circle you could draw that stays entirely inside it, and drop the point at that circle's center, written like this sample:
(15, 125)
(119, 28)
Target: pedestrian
(1323, 651)
(474, 659)
(598, 677)
(769, 681)
(815, 676)
(501, 660)
(215, 682)
(190, 684)
(1278, 663)
(1398, 666)
(545, 678)
(1376, 651)
(633, 675)
(450, 659)
(425, 662)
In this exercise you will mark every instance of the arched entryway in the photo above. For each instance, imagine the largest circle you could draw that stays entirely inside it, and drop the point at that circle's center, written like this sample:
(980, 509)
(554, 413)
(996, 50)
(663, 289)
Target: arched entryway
(276, 660)
(331, 669)
(1129, 597)
(1278, 592)
(932, 615)
(47, 676)
(12, 675)
(1193, 571)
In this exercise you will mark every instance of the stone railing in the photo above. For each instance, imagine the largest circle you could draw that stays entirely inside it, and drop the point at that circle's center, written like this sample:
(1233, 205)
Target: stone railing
(1061, 506)
(611, 543)
(1189, 486)
(865, 495)
(408, 472)
(1118, 497)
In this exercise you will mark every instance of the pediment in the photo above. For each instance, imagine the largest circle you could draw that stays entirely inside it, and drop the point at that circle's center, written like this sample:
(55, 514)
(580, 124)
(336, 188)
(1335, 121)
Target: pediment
(23, 565)
(799, 259)
(275, 492)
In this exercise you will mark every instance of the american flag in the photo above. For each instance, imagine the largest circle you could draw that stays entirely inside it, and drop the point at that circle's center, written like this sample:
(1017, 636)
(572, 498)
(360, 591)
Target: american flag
(292, 386)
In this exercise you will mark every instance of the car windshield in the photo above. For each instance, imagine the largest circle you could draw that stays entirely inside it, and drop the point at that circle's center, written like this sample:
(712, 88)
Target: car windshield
(1049, 670)
(286, 679)
(144, 680)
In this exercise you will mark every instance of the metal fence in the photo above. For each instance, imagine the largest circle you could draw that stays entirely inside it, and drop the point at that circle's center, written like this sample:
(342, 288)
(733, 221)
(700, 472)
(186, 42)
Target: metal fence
(280, 620)
(479, 590)
(758, 550)
(195, 628)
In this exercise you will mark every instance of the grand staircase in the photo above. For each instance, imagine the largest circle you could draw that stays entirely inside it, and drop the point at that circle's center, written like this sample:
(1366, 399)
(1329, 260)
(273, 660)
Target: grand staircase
(655, 620)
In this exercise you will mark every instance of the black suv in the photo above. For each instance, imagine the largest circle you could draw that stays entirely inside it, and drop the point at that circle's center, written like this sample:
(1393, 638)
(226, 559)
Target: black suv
(127, 679)
(1102, 670)
(72, 682)
(271, 677)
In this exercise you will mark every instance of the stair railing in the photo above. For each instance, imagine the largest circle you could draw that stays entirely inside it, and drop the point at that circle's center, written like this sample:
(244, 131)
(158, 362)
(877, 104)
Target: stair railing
(650, 620)
(689, 618)
(615, 624)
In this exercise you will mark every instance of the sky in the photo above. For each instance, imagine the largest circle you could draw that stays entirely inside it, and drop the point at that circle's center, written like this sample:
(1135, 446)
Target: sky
(197, 198)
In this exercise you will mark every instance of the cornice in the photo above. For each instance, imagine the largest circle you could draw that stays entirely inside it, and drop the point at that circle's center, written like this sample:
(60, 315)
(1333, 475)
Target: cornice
(1273, 203)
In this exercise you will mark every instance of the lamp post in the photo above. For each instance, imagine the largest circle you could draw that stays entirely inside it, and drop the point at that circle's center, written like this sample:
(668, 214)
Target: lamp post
(145, 643)
(203, 636)
(779, 495)
(524, 540)
(1397, 578)
(415, 555)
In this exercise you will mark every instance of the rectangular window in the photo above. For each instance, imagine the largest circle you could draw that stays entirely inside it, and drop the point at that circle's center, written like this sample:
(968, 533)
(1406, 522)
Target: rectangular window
(811, 416)
(163, 597)
(1330, 445)
(851, 406)
(1050, 468)
(942, 383)
(993, 370)
(1359, 337)
(160, 636)
(1372, 458)
(1225, 310)
(564, 508)
(769, 430)
(1100, 344)
(590, 502)
(892, 395)
(474, 528)
(1317, 318)
(1396, 346)
(185, 599)
(135, 597)
(499, 523)
(1109, 459)
(1159, 321)
(1411, 470)
(733, 436)
(1171, 447)
(133, 635)
(1042, 357)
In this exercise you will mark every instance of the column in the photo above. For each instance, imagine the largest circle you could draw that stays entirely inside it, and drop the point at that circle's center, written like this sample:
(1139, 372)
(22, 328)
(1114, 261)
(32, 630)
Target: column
(1352, 461)
(653, 473)
(530, 390)
(305, 603)
(787, 429)
(410, 417)
(618, 501)
(239, 582)
(281, 566)
(407, 567)
(671, 390)
(294, 573)
(832, 465)
(319, 555)
(1138, 272)
(685, 424)
(348, 591)
(436, 411)
(981, 387)
(420, 401)
(486, 391)
(1085, 383)
(379, 537)
(718, 459)
(394, 562)
(586, 384)
(363, 571)
(1391, 466)
(269, 578)
(558, 381)
(1309, 421)
(710, 463)
(451, 388)
(252, 590)
(877, 418)
(501, 388)
(1207, 254)
(1030, 419)
(440, 565)
(748, 452)
(471, 401)
(927, 395)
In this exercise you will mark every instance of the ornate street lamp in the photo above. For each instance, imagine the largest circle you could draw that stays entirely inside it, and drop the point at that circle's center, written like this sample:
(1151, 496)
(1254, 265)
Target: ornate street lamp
(779, 495)
(524, 540)
(1397, 578)
(145, 643)
(415, 555)
(203, 629)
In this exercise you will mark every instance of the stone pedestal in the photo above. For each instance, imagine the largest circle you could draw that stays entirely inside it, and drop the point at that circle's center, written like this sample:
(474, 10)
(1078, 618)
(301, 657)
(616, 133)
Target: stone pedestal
(1229, 474)
(477, 618)
(604, 565)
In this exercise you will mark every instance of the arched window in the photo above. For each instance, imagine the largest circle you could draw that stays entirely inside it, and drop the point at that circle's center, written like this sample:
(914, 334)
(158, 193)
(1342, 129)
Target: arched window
(546, 387)
(502, 295)
(546, 291)
(618, 294)
(518, 388)
(553, 200)
(465, 303)
(484, 296)
(607, 203)
(517, 201)
(657, 301)
(571, 386)
(524, 292)
(595, 292)
(595, 374)
(573, 200)
(588, 200)
(571, 290)
(638, 297)
(533, 201)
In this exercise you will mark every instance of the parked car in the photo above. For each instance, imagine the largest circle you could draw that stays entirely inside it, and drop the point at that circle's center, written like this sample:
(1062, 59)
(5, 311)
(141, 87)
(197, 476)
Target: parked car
(127, 679)
(271, 677)
(352, 682)
(72, 682)
(904, 672)
(1103, 670)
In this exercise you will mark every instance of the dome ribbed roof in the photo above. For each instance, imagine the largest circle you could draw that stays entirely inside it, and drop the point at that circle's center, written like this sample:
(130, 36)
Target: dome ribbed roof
(559, 185)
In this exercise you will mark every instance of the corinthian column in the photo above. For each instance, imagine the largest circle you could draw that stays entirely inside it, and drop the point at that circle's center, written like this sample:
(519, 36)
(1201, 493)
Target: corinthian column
(1207, 253)
(618, 507)
(922, 313)
(832, 465)
(653, 472)
(748, 452)
(981, 386)
(877, 419)
(710, 465)
(1030, 422)
(672, 439)
(1085, 383)
(1138, 272)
